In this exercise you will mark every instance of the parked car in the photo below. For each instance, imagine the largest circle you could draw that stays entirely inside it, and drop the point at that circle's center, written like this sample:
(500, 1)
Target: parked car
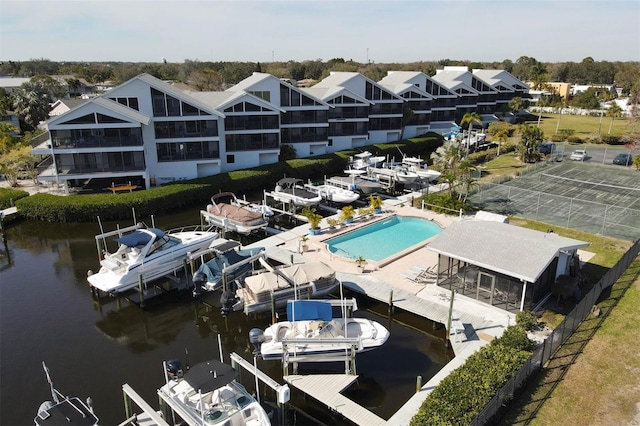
(623, 159)
(546, 148)
(578, 155)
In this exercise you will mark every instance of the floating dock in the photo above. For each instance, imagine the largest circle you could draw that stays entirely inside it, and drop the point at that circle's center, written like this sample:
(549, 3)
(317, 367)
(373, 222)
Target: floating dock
(326, 388)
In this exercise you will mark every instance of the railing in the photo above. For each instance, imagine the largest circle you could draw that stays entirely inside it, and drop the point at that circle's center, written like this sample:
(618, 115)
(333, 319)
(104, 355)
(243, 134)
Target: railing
(556, 339)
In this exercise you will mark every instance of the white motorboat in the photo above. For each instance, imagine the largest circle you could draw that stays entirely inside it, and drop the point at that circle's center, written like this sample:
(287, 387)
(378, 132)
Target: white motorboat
(312, 330)
(145, 252)
(291, 190)
(414, 164)
(208, 394)
(333, 193)
(226, 212)
(228, 262)
(64, 410)
(364, 160)
(256, 293)
(398, 173)
(356, 180)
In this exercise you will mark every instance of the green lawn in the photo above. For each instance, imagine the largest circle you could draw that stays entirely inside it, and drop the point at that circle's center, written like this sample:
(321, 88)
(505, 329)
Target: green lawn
(583, 125)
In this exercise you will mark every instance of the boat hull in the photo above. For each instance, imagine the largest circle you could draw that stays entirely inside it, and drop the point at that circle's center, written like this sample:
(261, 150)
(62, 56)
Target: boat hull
(117, 280)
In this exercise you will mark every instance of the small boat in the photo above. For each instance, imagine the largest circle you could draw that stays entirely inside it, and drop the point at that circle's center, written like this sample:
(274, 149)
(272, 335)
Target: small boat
(414, 164)
(147, 252)
(226, 212)
(64, 410)
(364, 160)
(208, 394)
(228, 262)
(291, 190)
(313, 330)
(333, 193)
(356, 180)
(310, 280)
(398, 173)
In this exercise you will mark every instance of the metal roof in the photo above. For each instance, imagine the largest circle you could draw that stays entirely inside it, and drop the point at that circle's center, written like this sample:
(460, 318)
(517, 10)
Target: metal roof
(508, 249)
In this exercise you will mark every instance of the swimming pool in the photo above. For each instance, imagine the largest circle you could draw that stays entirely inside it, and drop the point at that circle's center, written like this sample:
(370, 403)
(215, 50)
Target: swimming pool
(383, 239)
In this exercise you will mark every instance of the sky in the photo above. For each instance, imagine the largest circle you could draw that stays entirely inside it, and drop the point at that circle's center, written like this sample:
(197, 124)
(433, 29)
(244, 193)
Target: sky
(383, 31)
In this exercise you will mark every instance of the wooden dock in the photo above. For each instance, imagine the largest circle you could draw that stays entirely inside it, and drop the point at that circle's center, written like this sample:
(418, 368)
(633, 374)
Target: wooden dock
(326, 388)
(464, 324)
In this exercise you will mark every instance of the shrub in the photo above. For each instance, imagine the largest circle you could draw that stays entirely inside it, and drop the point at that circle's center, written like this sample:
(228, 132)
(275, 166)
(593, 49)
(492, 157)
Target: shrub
(574, 139)
(9, 196)
(441, 202)
(565, 133)
(612, 140)
(463, 394)
(526, 320)
(557, 138)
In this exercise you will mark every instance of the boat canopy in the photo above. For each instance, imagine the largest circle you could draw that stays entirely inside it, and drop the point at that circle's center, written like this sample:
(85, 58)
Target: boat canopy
(213, 268)
(140, 238)
(309, 310)
(209, 376)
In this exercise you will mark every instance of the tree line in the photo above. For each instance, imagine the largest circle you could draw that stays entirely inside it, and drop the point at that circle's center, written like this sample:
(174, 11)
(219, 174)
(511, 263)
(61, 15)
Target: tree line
(205, 75)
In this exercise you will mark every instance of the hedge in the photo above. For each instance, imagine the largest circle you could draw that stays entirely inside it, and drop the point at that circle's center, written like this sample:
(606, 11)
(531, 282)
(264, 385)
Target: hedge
(9, 196)
(176, 195)
(464, 393)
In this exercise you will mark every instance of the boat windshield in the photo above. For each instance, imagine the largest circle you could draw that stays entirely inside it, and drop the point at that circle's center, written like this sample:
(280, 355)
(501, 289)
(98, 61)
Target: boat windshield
(164, 243)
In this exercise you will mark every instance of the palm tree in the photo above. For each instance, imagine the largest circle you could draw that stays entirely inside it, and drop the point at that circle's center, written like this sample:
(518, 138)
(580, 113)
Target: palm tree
(469, 118)
(501, 136)
(613, 112)
(466, 179)
(448, 156)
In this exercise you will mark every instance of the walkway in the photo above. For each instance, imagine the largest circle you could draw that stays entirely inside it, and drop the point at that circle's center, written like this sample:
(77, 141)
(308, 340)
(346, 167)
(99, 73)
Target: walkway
(480, 322)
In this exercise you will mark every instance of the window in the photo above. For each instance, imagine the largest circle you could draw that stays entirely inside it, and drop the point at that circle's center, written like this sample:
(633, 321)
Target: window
(85, 119)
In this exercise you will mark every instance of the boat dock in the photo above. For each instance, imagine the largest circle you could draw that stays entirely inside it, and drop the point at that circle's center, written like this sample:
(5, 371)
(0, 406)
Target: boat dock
(326, 388)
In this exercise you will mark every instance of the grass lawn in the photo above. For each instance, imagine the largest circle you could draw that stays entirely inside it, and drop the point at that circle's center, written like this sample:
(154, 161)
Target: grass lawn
(583, 125)
(595, 377)
(505, 164)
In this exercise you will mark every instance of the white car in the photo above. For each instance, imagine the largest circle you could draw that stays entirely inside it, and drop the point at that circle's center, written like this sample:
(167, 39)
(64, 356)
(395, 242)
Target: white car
(578, 155)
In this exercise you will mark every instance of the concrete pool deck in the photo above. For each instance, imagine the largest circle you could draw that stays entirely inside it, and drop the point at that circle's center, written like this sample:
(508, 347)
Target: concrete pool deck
(477, 323)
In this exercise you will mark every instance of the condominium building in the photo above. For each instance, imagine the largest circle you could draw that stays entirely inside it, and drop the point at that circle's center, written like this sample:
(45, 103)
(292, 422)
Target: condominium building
(147, 132)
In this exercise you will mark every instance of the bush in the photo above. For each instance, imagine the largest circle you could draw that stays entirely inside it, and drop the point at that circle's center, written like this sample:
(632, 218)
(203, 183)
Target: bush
(9, 196)
(441, 202)
(612, 140)
(526, 320)
(574, 139)
(497, 126)
(463, 394)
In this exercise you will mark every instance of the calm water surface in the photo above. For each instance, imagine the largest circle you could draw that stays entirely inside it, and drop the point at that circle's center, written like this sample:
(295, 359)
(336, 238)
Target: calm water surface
(47, 314)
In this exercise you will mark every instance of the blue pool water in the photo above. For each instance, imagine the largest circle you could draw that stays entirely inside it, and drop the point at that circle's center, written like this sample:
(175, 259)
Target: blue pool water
(383, 239)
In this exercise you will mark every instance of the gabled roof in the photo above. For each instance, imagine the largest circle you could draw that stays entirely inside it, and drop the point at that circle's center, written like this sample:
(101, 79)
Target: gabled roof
(258, 77)
(327, 93)
(402, 88)
(169, 90)
(496, 77)
(508, 249)
(115, 107)
(453, 81)
(340, 78)
(221, 100)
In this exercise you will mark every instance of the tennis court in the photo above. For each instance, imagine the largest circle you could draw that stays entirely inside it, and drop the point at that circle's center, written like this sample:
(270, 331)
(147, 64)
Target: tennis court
(593, 198)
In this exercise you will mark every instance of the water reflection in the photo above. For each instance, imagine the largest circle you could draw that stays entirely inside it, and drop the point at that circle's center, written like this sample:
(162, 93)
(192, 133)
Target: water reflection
(47, 313)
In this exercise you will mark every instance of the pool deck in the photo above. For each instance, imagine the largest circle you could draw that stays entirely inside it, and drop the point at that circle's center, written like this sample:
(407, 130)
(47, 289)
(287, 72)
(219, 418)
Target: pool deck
(475, 323)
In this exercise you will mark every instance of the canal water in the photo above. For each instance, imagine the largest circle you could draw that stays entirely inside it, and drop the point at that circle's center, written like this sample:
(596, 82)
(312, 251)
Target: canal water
(47, 313)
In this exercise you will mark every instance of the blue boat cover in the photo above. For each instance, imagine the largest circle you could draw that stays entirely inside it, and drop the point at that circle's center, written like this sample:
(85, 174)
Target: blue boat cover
(309, 310)
(213, 268)
(139, 238)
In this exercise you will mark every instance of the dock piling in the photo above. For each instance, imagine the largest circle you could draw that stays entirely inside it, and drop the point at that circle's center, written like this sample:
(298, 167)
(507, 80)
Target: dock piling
(390, 302)
(418, 383)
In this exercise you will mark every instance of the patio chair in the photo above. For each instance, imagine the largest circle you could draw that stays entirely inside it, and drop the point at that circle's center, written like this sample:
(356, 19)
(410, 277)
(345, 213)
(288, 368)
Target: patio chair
(418, 273)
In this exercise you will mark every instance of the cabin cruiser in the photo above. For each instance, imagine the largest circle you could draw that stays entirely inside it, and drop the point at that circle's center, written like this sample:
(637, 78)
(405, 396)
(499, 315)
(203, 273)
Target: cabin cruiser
(207, 394)
(64, 410)
(256, 293)
(414, 164)
(312, 330)
(145, 253)
(291, 190)
(364, 160)
(226, 212)
(333, 193)
(228, 262)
